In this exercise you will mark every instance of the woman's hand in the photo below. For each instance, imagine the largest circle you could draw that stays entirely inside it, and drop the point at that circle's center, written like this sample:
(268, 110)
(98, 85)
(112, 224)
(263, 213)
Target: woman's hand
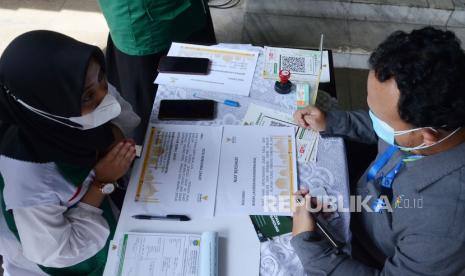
(118, 137)
(117, 134)
(115, 163)
(311, 117)
(302, 219)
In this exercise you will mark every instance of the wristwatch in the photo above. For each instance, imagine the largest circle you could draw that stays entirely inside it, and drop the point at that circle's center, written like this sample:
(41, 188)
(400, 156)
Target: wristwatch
(107, 188)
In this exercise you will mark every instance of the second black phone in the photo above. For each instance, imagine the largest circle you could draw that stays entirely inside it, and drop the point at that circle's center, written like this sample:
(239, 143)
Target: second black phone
(187, 110)
(184, 65)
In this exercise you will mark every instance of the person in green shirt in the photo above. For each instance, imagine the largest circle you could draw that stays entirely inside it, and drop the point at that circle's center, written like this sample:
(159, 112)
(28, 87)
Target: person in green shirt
(141, 31)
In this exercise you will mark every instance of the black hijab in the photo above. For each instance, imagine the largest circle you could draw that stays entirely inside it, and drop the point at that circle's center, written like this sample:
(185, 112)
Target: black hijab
(47, 70)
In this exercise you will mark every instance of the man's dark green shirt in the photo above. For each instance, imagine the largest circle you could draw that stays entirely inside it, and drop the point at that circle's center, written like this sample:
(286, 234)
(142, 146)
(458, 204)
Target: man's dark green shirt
(143, 27)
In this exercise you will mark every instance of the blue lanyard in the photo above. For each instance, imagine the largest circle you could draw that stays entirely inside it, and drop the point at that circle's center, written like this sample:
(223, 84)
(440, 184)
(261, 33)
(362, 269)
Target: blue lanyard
(381, 162)
(386, 180)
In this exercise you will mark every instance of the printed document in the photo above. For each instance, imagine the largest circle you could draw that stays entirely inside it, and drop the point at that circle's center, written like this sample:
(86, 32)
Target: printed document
(258, 173)
(180, 170)
(184, 166)
(231, 70)
(306, 139)
(161, 254)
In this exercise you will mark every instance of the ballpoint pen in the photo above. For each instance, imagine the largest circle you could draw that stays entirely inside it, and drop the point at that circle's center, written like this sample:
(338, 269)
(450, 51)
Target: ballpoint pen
(167, 217)
(321, 51)
(327, 235)
(225, 102)
(323, 230)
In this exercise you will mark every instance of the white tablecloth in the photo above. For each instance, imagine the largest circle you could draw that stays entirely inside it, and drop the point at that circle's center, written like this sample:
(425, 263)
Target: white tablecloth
(329, 173)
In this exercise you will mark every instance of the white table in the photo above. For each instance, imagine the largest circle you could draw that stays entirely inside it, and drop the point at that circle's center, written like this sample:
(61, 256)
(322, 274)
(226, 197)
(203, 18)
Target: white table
(240, 252)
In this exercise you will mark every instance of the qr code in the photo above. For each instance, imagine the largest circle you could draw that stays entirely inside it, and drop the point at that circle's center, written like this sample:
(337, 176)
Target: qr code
(293, 64)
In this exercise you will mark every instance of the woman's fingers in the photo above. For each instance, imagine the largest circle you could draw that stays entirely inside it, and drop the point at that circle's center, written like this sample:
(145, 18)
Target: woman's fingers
(128, 156)
(116, 163)
(114, 151)
(133, 156)
(124, 155)
(131, 141)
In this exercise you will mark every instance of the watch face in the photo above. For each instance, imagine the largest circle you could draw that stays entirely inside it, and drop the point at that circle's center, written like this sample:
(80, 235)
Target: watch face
(108, 188)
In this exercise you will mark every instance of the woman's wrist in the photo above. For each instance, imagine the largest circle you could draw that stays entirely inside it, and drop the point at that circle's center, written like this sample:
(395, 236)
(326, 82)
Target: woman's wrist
(94, 195)
(106, 187)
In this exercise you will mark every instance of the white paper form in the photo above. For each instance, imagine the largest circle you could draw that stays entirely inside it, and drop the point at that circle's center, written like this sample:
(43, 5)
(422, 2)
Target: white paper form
(155, 254)
(231, 70)
(304, 65)
(306, 139)
(257, 173)
(180, 170)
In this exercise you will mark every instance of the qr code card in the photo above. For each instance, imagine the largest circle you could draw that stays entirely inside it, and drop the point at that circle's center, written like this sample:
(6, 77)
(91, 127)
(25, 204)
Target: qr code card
(297, 65)
(304, 65)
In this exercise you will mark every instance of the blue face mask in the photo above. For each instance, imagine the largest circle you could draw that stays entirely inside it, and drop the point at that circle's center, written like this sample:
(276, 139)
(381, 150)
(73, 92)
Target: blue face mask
(387, 133)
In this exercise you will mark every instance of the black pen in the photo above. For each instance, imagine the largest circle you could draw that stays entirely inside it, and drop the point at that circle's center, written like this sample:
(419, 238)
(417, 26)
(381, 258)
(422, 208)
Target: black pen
(326, 234)
(323, 230)
(167, 217)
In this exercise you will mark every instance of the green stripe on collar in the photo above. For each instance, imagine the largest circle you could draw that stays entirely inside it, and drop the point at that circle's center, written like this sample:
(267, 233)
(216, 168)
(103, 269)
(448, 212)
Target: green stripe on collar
(8, 214)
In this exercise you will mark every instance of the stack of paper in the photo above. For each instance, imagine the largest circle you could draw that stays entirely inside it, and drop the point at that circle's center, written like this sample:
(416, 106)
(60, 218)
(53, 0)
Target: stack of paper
(163, 254)
(203, 171)
(231, 70)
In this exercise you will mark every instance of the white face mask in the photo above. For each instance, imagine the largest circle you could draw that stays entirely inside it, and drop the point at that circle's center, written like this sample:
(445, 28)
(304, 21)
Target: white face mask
(107, 110)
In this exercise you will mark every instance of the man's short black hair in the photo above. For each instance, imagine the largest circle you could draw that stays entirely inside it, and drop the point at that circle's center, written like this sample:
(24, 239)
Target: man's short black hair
(428, 66)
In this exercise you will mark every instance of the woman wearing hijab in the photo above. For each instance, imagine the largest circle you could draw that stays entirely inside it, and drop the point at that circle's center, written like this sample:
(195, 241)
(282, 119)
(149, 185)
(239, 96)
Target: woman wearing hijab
(60, 151)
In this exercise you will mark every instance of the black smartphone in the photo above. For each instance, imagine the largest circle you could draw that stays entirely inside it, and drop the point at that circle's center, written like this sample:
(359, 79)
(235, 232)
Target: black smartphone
(184, 65)
(187, 110)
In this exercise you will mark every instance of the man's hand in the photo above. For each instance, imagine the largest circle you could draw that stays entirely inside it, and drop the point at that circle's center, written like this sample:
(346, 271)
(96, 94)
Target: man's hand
(302, 219)
(115, 163)
(311, 117)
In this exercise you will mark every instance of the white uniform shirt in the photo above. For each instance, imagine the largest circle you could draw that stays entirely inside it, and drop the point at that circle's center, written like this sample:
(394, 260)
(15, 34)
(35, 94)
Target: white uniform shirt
(51, 234)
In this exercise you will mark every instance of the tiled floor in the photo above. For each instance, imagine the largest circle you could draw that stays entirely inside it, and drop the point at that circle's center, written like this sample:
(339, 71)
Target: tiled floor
(80, 19)
(83, 20)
